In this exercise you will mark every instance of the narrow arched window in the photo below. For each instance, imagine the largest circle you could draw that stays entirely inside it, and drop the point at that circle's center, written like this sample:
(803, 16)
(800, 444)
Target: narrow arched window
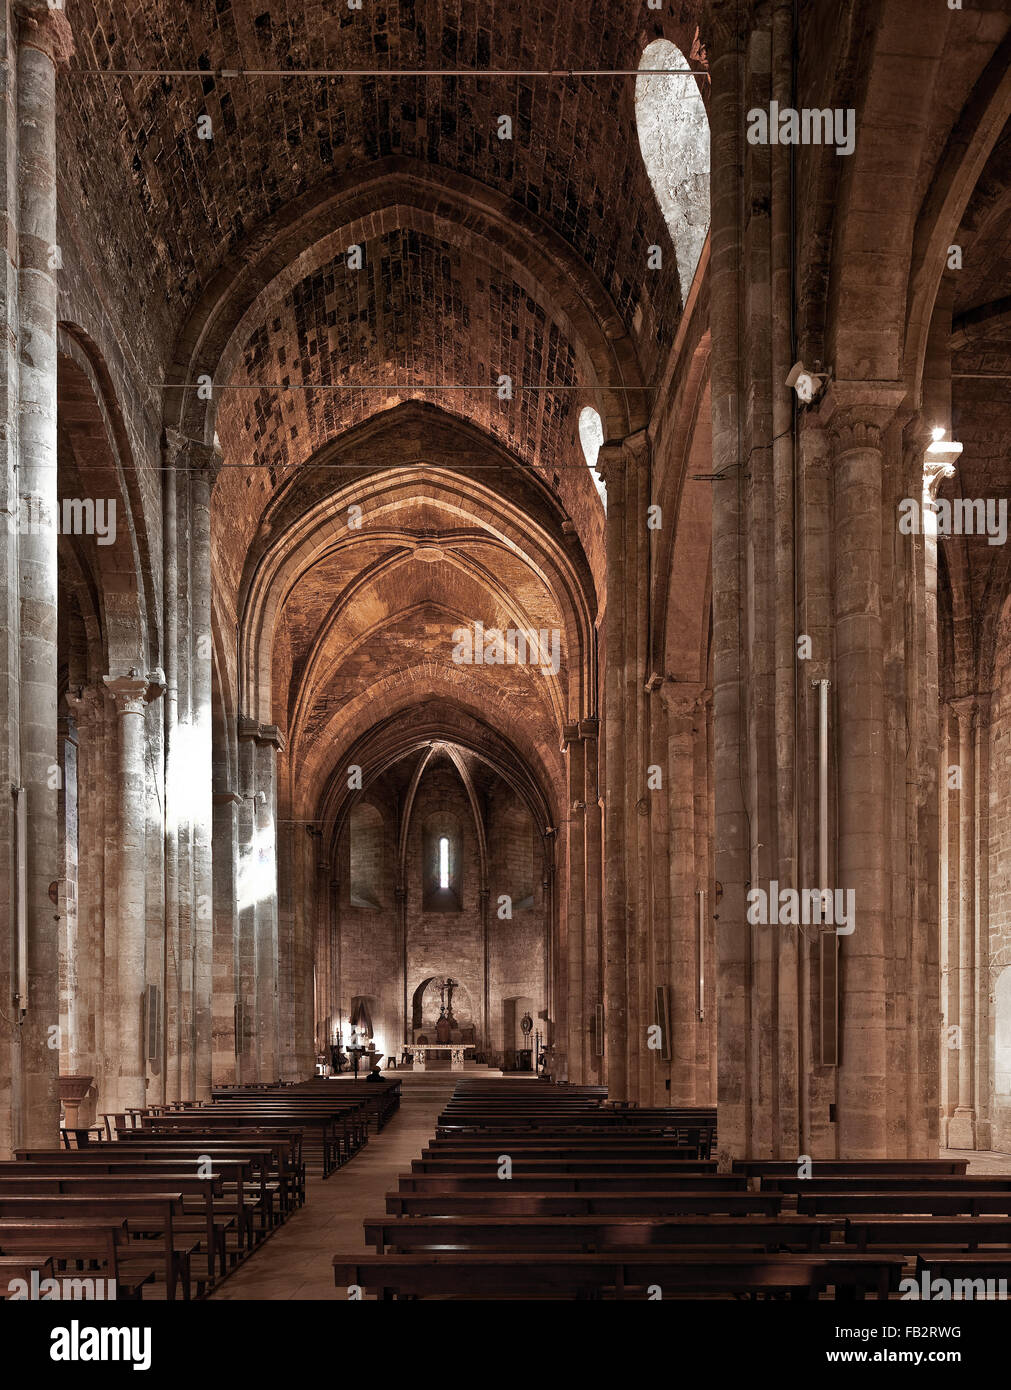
(444, 862)
(673, 128)
(591, 437)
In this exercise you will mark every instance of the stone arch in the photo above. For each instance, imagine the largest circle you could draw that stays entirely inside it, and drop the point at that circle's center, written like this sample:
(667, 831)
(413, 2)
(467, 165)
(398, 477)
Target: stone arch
(291, 548)
(94, 442)
(353, 202)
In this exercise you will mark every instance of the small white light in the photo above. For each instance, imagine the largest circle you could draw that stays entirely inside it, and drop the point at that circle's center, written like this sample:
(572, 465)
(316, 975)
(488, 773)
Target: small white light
(938, 433)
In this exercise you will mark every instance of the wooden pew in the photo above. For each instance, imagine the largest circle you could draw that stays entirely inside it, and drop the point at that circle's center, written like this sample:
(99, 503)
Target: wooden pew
(586, 1202)
(99, 1242)
(524, 1164)
(936, 1202)
(838, 1167)
(154, 1212)
(407, 1234)
(611, 1179)
(913, 1233)
(220, 1212)
(285, 1166)
(963, 1265)
(22, 1267)
(546, 1274)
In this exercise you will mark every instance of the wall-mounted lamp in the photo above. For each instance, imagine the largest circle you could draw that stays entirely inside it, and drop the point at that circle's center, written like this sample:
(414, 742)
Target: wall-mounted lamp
(809, 386)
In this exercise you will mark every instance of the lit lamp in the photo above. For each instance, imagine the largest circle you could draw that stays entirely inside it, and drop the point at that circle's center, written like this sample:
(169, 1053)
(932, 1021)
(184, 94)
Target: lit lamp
(938, 463)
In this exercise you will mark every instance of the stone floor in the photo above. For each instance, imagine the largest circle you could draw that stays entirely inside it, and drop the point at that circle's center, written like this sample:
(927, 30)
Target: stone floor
(296, 1261)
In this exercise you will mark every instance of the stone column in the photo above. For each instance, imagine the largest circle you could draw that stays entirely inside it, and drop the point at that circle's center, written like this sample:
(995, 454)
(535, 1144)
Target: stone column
(129, 931)
(731, 754)
(226, 936)
(962, 1125)
(575, 870)
(592, 899)
(87, 707)
(44, 41)
(858, 421)
(400, 897)
(982, 1071)
(683, 710)
(246, 892)
(202, 464)
(70, 956)
(269, 744)
(610, 466)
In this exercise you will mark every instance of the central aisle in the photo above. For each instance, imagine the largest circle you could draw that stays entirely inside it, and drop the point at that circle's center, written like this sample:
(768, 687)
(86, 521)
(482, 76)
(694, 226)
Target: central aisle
(296, 1261)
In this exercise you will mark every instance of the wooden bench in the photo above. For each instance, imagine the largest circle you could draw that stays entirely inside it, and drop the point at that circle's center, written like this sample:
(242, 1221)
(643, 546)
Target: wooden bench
(610, 1179)
(102, 1243)
(913, 1233)
(941, 1202)
(973, 1265)
(837, 1167)
(218, 1215)
(544, 1274)
(153, 1213)
(22, 1267)
(412, 1233)
(523, 1164)
(538, 1203)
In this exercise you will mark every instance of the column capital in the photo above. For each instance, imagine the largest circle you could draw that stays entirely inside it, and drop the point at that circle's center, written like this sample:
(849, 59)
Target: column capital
(617, 456)
(682, 699)
(45, 27)
(129, 693)
(192, 456)
(963, 707)
(252, 729)
(570, 735)
(857, 413)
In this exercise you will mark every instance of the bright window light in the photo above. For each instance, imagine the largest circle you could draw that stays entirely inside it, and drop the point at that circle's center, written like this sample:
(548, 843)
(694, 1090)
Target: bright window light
(444, 862)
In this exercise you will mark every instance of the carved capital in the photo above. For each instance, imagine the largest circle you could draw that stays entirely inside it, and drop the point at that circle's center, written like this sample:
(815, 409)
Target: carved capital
(610, 466)
(271, 734)
(963, 707)
(201, 461)
(46, 28)
(129, 693)
(682, 699)
(857, 413)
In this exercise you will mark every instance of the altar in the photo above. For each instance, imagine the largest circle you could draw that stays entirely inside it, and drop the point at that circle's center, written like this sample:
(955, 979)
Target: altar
(458, 1053)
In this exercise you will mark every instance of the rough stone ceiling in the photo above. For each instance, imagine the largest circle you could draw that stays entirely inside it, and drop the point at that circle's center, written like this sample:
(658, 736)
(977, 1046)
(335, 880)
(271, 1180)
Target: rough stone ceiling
(276, 137)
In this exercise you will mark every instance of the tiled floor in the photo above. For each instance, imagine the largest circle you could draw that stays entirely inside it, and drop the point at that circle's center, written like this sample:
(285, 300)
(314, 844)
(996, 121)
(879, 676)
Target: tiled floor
(296, 1261)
